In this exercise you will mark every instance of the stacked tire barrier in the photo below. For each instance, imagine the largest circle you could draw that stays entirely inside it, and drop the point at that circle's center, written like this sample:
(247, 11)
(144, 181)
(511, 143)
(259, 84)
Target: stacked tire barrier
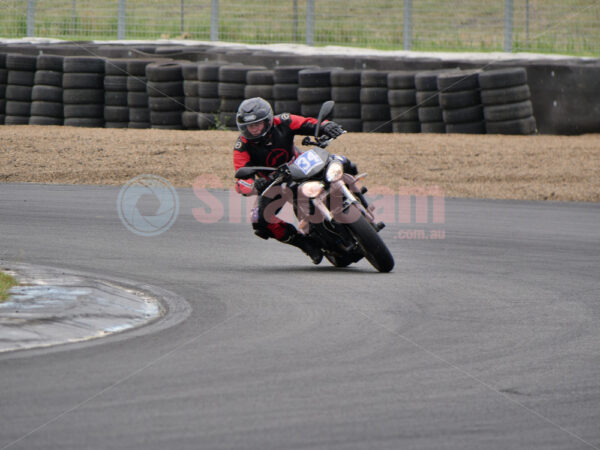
(19, 87)
(460, 102)
(232, 85)
(83, 91)
(137, 95)
(506, 101)
(116, 110)
(428, 102)
(314, 88)
(259, 83)
(345, 92)
(209, 102)
(189, 118)
(3, 79)
(402, 97)
(165, 95)
(375, 109)
(285, 89)
(47, 95)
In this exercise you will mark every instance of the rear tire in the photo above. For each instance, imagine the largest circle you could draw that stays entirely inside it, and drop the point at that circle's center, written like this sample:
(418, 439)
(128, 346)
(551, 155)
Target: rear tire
(372, 245)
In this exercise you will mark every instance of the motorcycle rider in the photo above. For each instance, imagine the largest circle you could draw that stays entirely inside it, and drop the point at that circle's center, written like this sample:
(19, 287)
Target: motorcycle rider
(268, 140)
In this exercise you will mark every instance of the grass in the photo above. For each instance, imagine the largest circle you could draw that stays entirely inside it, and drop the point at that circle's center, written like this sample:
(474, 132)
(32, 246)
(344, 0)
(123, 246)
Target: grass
(6, 282)
(547, 26)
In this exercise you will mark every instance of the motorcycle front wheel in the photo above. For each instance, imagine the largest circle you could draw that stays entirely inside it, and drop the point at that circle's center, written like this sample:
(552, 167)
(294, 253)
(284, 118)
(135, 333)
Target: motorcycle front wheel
(371, 244)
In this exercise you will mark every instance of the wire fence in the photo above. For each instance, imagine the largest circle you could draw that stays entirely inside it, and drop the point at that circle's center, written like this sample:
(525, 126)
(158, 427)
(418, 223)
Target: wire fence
(546, 26)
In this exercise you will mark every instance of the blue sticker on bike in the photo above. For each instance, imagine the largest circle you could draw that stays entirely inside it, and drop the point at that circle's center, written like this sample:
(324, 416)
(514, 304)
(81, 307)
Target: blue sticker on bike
(307, 160)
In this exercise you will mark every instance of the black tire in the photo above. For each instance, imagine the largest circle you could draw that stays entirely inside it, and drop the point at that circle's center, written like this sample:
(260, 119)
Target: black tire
(510, 111)
(371, 244)
(427, 80)
(189, 71)
(230, 104)
(259, 90)
(83, 81)
(20, 78)
(4, 76)
(401, 80)
(374, 78)
(377, 126)
(463, 115)
(89, 122)
(314, 78)
(115, 83)
(83, 96)
(115, 98)
(45, 120)
(14, 108)
(353, 125)
(116, 67)
(402, 97)
(52, 63)
(464, 80)
(208, 72)
(165, 88)
(466, 128)
(81, 111)
(15, 61)
(47, 94)
(16, 120)
(206, 121)
(406, 127)
(209, 105)
(116, 124)
(459, 99)
(189, 120)
(137, 99)
(285, 92)
(346, 78)
(347, 110)
(287, 106)
(430, 114)
(48, 78)
(18, 93)
(502, 78)
(47, 109)
(191, 104)
(524, 126)
(260, 77)
(83, 64)
(116, 114)
(314, 94)
(231, 90)
(287, 74)
(404, 113)
(310, 109)
(190, 88)
(166, 103)
(227, 120)
(433, 127)
(208, 89)
(503, 96)
(139, 115)
(375, 112)
(236, 73)
(136, 84)
(346, 94)
(139, 125)
(374, 95)
(137, 67)
(164, 72)
(165, 118)
(428, 98)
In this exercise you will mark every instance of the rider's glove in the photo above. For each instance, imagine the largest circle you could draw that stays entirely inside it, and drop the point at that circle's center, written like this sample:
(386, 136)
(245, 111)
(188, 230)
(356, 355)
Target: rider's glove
(332, 130)
(260, 184)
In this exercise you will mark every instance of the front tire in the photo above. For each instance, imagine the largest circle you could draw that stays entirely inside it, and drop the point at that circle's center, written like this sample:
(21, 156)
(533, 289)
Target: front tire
(372, 245)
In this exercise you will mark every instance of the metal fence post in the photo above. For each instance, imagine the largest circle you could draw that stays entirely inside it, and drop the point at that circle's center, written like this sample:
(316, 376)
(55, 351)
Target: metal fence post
(122, 21)
(30, 18)
(407, 24)
(508, 25)
(182, 24)
(214, 20)
(310, 22)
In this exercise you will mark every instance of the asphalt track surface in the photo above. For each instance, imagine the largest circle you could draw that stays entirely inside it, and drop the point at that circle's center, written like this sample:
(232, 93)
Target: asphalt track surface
(488, 338)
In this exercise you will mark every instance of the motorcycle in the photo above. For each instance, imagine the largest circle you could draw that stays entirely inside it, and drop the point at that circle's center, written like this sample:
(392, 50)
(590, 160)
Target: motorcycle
(328, 202)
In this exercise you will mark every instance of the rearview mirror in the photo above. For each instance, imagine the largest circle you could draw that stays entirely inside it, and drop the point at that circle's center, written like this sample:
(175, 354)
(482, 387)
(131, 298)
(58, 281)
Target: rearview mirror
(324, 112)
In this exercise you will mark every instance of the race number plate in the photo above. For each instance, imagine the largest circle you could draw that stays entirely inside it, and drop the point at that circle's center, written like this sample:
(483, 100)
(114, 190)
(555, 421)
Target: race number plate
(307, 160)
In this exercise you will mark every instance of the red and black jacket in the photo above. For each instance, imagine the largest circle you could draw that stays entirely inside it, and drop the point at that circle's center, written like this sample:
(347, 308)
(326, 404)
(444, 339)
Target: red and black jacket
(273, 150)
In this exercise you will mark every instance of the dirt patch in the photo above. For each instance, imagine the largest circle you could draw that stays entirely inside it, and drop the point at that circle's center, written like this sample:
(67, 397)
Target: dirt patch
(561, 168)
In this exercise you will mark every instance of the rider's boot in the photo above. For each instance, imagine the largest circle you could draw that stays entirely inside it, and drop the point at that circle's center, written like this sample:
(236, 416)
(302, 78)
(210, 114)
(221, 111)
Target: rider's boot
(307, 245)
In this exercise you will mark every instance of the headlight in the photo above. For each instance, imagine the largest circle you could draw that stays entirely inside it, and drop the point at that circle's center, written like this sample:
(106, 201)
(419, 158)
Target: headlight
(334, 172)
(311, 189)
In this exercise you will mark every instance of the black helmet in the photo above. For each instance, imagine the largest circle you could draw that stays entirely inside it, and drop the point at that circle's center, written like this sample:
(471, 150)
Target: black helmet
(251, 111)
